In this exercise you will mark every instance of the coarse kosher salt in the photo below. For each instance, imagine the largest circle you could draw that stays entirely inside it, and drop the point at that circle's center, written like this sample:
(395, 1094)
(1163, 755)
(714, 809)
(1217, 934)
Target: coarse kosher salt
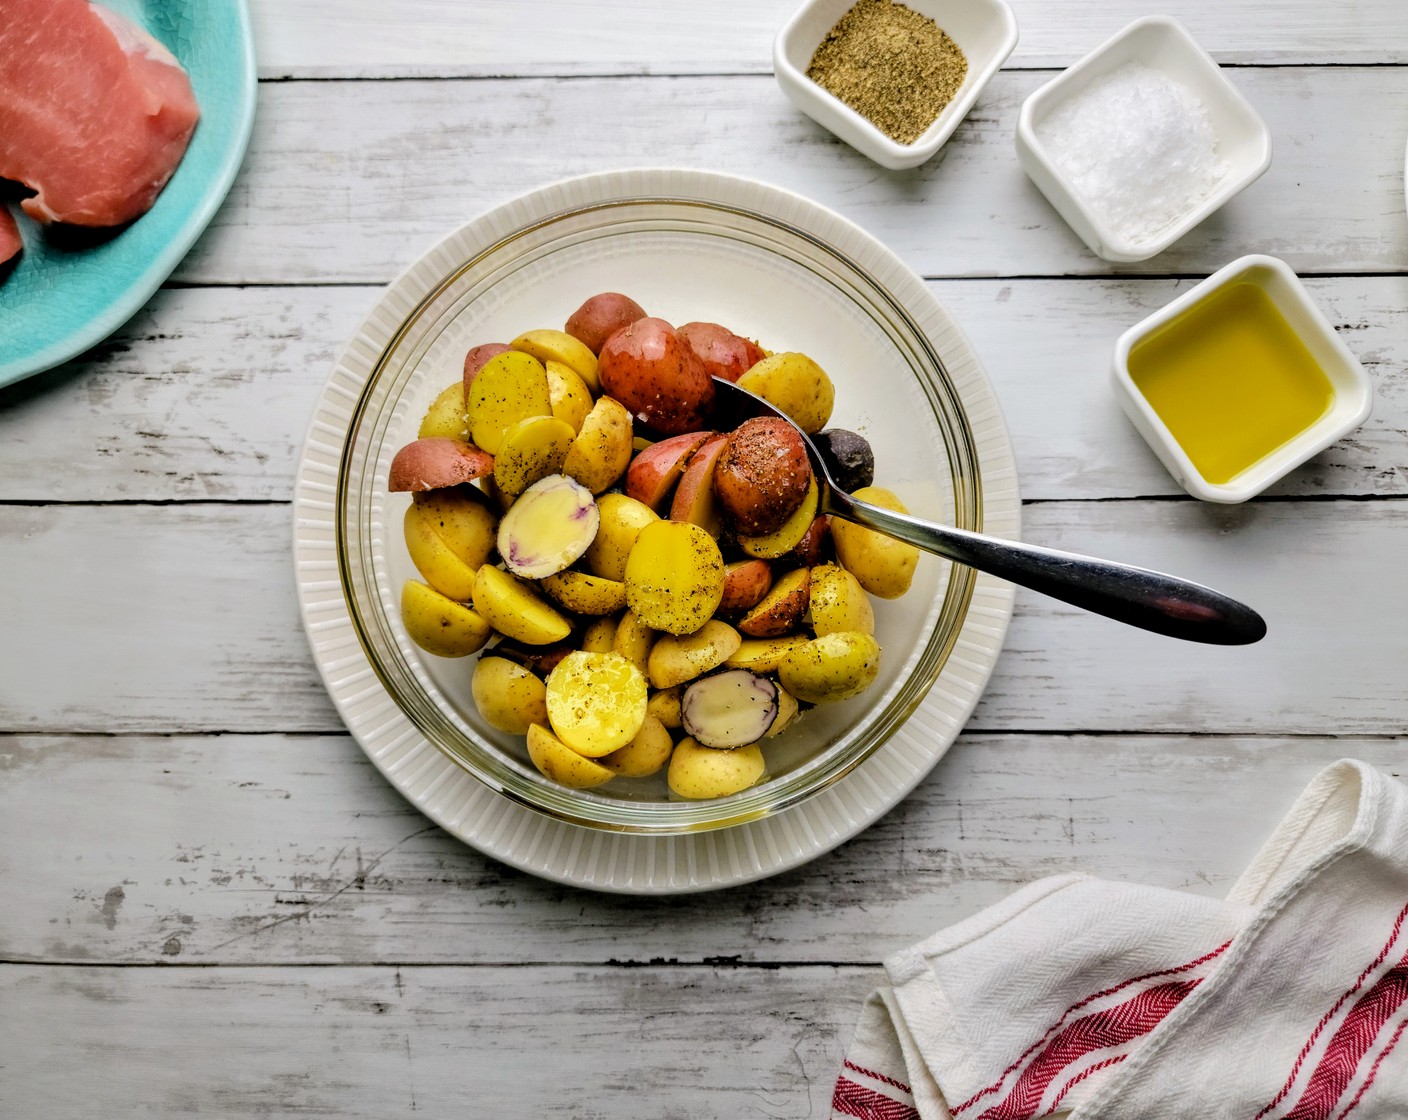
(1137, 147)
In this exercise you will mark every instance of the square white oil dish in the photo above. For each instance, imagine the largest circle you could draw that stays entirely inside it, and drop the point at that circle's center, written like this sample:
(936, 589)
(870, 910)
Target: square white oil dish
(1239, 381)
(1140, 140)
(984, 30)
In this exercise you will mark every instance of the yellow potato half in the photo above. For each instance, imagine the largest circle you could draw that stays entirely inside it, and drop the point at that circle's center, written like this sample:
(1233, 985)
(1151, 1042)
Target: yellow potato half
(561, 764)
(568, 395)
(602, 450)
(559, 346)
(645, 754)
(622, 519)
(586, 594)
(510, 387)
(633, 640)
(596, 702)
(440, 625)
(514, 611)
(699, 773)
(674, 577)
(832, 667)
(462, 518)
(531, 449)
(446, 415)
(433, 558)
(600, 636)
(838, 602)
(764, 655)
(882, 565)
(676, 659)
(507, 695)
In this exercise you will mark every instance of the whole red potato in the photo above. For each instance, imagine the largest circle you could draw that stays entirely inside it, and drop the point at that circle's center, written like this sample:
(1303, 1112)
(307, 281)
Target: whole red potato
(762, 474)
(602, 316)
(723, 353)
(649, 369)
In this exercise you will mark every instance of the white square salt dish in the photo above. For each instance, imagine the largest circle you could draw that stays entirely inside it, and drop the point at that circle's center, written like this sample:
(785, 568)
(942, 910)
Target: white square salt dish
(985, 31)
(1155, 67)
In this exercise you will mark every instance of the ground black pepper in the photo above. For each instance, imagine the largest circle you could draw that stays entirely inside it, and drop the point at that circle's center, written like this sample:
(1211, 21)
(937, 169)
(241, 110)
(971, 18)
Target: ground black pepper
(893, 66)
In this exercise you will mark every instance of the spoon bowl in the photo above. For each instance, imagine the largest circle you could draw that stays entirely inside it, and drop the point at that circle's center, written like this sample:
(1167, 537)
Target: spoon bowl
(1141, 597)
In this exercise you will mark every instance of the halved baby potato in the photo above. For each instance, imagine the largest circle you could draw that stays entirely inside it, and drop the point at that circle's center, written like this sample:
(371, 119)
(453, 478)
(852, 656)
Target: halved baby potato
(446, 415)
(508, 696)
(442, 568)
(786, 537)
(509, 388)
(633, 640)
(838, 602)
(781, 609)
(675, 659)
(561, 764)
(699, 773)
(600, 636)
(462, 517)
(559, 346)
(882, 565)
(439, 625)
(568, 394)
(583, 593)
(674, 577)
(622, 519)
(436, 461)
(764, 655)
(602, 450)
(515, 611)
(645, 754)
(596, 702)
(531, 449)
(832, 667)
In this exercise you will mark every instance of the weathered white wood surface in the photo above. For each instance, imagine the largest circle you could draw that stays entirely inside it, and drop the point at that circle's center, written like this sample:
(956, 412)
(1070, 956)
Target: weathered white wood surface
(347, 181)
(205, 394)
(587, 1043)
(211, 903)
(313, 38)
(264, 849)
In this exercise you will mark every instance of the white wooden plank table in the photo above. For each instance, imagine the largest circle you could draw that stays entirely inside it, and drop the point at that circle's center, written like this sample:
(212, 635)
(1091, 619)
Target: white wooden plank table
(211, 903)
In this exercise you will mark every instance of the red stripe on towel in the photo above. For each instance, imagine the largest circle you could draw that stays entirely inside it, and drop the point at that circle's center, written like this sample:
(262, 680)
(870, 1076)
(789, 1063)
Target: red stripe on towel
(1349, 1044)
(1330, 1014)
(1065, 1015)
(1114, 1026)
(851, 1099)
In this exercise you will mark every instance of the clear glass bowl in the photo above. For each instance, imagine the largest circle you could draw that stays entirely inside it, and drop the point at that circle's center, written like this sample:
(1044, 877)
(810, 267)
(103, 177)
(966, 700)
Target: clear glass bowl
(763, 263)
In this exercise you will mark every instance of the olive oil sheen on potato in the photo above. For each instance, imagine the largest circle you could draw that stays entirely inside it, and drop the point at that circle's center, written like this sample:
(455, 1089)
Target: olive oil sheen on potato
(1231, 380)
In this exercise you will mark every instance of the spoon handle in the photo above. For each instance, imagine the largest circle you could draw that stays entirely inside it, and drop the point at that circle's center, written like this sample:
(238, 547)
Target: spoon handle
(1137, 596)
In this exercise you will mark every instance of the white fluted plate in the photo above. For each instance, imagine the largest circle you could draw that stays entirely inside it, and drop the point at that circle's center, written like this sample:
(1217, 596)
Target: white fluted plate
(619, 861)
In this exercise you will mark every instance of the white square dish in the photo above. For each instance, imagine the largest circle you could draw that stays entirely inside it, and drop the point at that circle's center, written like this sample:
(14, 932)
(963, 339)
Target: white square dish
(985, 30)
(1351, 392)
(1164, 45)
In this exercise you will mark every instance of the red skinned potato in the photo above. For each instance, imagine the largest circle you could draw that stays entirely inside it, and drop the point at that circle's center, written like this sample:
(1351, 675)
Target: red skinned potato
(476, 357)
(745, 584)
(723, 353)
(437, 461)
(763, 474)
(602, 316)
(653, 372)
(694, 499)
(654, 471)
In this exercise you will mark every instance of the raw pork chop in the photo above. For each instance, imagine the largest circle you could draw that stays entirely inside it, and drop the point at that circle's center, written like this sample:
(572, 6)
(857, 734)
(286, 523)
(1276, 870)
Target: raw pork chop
(10, 242)
(95, 114)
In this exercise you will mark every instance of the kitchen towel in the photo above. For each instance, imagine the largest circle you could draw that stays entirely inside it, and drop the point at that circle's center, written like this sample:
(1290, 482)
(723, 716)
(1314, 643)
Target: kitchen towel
(1112, 1001)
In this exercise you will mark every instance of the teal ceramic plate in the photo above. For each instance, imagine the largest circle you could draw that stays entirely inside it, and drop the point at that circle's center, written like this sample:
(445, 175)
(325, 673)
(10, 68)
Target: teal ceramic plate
(58, 302)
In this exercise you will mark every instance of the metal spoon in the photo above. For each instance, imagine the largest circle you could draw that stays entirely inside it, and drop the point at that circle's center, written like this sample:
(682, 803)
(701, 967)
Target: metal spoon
(1137, 596)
